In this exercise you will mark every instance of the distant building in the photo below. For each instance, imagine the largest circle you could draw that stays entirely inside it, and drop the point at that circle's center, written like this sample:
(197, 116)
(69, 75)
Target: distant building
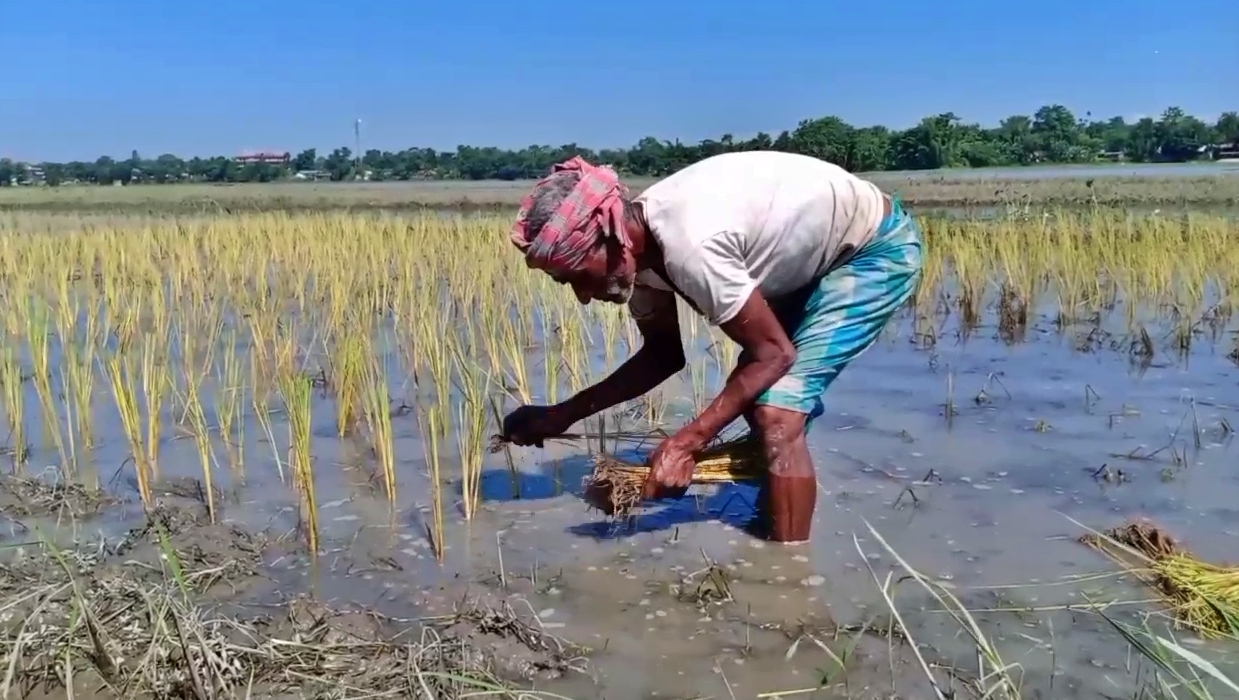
(33, 174)
(264, 157)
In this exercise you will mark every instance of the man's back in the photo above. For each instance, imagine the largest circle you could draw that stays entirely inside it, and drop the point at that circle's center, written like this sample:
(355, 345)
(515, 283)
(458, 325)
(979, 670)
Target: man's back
(756, 219)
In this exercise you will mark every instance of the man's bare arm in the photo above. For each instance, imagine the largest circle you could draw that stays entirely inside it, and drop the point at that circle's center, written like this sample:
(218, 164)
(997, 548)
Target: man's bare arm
(660, 356)
(756, 329)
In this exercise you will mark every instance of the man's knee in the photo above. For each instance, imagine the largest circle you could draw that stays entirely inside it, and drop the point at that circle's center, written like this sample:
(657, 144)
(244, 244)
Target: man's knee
(778, 425)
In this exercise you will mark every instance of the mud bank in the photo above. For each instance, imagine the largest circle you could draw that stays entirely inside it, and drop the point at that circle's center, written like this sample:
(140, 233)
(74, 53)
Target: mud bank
(180, 607)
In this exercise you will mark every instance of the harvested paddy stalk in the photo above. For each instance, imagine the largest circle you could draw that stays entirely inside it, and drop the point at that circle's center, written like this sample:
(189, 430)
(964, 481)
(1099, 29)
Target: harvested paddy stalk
(119, 367)
(431, 424)
(296, 392)
(348, 375)
(1203, 597)
(377, 411)
(228, 404)
(614, 487)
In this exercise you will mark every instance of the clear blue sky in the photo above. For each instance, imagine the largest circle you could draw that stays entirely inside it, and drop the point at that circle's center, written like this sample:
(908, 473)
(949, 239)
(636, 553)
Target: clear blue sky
(82, 78)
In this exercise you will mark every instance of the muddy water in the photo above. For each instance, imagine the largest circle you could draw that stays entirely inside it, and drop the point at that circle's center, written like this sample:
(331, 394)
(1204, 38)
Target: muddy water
(970, 459)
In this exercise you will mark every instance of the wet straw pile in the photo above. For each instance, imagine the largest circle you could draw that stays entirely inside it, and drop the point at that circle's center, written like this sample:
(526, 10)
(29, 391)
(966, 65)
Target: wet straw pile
(615, 485)
(1204, 597)
(145, 619)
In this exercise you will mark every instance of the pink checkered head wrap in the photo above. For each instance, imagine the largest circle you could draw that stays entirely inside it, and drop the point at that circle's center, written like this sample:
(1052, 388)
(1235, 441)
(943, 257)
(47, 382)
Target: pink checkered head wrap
(591, 212)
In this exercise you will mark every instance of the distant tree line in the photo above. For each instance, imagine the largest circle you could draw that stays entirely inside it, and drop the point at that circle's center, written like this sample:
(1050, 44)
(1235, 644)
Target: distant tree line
(1052, 135)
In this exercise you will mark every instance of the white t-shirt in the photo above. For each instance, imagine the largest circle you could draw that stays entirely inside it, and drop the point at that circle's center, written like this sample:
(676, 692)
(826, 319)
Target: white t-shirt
(764, 220)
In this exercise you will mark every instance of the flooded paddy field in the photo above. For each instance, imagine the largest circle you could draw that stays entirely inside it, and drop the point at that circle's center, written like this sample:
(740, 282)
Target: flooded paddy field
(234, 479)
(1213, 185)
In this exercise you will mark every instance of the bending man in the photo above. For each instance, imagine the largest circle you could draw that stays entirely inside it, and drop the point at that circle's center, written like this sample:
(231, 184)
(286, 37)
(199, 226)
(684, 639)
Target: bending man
(798, 261)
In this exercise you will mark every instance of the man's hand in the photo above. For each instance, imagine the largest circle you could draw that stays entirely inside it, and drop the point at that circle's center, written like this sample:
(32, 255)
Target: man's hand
(671, 467)
(531, 425)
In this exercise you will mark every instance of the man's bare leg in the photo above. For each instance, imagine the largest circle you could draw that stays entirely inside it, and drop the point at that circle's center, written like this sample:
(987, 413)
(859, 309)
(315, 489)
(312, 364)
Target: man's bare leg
(788, 496)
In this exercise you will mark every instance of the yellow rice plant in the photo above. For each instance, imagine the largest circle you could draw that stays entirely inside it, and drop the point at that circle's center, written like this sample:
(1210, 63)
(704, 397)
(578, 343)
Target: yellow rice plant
(231, 390)
(196, 416)
(296, 392)
(202, 440)
(125, 388)
(38, 334)
(377, 411)
(156, 383)
(12, 382)
(348, 374)
(262, 413)
(472, 436)
(432, 427)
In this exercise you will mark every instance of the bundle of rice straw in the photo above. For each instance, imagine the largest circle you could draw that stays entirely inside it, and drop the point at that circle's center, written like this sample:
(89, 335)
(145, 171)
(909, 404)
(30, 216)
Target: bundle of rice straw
(1203, 596)
(614, 487)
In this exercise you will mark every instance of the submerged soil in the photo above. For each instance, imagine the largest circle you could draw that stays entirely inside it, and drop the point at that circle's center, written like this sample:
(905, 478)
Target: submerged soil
(182, 607)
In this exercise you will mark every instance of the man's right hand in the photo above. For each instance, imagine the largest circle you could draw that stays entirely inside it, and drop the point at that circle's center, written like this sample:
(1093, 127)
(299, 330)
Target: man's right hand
(530, 425)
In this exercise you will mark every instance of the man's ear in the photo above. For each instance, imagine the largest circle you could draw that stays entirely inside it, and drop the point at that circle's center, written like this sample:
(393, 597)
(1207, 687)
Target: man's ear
(617, 257)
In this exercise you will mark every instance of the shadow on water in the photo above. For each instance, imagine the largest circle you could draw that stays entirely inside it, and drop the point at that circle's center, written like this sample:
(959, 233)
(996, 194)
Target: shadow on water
(731, 504)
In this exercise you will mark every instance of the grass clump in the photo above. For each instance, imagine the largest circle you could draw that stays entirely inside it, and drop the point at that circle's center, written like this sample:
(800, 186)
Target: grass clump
(132, 620)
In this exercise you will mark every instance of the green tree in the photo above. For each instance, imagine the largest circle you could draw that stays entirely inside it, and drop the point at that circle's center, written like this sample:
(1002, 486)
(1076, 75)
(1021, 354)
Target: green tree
(1227, 127)
(305, 160)
(1052, 134)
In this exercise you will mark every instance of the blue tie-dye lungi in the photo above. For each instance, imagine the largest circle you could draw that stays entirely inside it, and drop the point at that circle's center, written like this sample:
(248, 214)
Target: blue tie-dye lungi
(842, 315)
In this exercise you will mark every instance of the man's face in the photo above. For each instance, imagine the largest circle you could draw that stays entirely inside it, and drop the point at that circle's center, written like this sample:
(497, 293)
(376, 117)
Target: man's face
(601, 276)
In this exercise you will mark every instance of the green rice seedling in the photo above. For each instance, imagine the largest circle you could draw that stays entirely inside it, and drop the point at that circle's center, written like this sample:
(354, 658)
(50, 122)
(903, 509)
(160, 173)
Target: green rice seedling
(77, 372)
(348, 370)
(514, 343)
(573, 350)
(202, 431)
(262, 413)
(432, 426)
(202, 440)
(472, 434)
(497, 331)
(38, 335)
(513, 474)
(121, 376)
(377, 411)
(156, 382)
(436, 357)
(228, 404)
(1182, 671)
(296, 392)
(79, 382)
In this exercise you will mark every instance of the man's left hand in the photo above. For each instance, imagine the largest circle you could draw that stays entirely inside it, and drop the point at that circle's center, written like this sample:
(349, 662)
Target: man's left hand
(671, 467)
